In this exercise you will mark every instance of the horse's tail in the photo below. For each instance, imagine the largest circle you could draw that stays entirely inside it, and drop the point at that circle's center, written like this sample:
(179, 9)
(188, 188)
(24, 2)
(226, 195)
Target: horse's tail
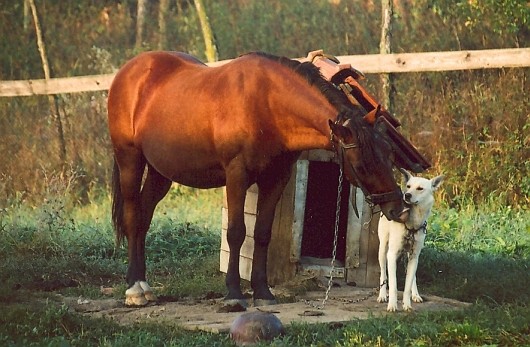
(117, 204)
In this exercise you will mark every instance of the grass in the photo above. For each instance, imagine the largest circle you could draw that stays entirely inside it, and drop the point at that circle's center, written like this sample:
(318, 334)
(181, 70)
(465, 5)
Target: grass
(479, 255)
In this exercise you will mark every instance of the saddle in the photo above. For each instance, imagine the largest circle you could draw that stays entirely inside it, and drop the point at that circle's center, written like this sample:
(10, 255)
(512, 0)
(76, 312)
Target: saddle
(345, 78)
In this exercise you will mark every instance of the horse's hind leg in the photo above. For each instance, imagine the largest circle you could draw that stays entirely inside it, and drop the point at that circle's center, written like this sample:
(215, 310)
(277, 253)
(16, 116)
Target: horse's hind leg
(131, 164)
(154, 189)
(138, 208)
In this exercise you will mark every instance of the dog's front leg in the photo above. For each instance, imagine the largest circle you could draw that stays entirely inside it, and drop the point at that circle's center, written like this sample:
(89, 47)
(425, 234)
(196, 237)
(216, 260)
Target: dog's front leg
(392, 256)
(383, 278)
(415, 293)
(412, 266)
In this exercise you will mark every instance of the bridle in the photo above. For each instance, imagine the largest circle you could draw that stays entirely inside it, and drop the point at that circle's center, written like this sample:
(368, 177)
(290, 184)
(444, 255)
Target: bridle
(371, 199)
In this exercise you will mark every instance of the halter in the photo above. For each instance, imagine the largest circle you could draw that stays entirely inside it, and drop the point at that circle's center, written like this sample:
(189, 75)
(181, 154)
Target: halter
(371, 199)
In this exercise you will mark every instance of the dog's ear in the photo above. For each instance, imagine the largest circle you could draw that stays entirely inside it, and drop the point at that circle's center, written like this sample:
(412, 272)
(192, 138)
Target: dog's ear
(437, 181)
(406, 175)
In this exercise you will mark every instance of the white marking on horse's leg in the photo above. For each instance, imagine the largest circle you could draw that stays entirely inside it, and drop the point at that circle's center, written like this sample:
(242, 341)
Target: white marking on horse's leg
(148, 291)
(134, 296)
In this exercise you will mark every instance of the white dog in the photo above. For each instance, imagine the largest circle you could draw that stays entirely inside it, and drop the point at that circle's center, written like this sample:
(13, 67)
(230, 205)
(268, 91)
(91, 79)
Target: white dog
(395, 237)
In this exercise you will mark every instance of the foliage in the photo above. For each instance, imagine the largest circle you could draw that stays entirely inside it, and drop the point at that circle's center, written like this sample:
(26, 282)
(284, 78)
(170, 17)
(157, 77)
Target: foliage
(468, 124)
(508, 16)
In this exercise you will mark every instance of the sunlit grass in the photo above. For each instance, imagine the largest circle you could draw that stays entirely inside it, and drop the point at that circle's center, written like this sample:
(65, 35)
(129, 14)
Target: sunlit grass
(479, 255)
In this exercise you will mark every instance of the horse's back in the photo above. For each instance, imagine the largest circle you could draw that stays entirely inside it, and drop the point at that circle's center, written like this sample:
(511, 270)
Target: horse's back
(174, 110)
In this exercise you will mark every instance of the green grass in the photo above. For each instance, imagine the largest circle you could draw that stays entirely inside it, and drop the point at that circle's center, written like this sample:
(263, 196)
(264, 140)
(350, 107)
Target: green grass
(479, 255)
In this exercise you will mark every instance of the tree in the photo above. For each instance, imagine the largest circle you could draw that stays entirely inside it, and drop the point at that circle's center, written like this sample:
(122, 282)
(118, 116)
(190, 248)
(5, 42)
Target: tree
(209, 41)
(385, 47)
(140, 20)
(54, 100)
(162, 27)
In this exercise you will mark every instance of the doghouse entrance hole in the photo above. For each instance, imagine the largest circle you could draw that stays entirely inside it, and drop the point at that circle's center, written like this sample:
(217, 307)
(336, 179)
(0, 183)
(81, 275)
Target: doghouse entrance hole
(320, 210)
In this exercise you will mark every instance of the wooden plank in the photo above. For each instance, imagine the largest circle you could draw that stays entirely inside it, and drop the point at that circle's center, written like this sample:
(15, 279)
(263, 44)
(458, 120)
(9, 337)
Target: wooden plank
(322, 155)
(353, 232)
(297, 228)
(245, 265)
(279, 267)
(369, 63)
(56, 85)
(251, 200)
(247, 249)
(250, 221)
(358, 274)
(439, 61)
(372, 261)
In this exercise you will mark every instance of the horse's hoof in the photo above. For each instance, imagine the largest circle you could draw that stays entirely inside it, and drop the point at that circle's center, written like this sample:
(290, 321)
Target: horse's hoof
(136, 300)
(265, 302)
(233, 305)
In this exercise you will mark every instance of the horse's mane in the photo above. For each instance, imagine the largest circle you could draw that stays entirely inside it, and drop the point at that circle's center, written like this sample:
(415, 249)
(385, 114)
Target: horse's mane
(346, 110)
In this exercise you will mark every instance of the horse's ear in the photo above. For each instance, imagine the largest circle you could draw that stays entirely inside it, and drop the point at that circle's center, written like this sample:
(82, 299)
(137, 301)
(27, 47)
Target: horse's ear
(371, 116)
(437, 181)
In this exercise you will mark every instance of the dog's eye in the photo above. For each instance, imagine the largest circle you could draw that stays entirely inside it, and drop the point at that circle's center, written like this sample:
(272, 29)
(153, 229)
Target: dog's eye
(408, 186)
(419, 188)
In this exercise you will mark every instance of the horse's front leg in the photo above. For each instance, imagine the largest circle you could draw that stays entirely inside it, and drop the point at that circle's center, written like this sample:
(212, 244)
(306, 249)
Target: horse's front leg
(236, 185)
(262, 237)
(271, 184)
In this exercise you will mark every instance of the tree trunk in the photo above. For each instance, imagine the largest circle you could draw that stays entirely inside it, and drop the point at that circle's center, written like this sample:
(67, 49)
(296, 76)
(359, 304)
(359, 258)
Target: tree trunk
(140, 20)
(54, 100)
(209, 41)
(26, 19)
(162, 27)
(385, 47)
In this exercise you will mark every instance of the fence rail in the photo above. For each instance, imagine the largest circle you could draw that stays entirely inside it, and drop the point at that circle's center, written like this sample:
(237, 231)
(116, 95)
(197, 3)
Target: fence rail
(371, 63)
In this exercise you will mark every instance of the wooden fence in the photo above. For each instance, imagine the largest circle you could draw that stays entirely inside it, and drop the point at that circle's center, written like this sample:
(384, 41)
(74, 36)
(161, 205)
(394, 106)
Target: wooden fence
(370, 63)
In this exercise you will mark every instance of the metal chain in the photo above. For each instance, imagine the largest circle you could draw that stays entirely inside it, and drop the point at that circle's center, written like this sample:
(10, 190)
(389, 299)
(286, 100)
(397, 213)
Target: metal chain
(334, 252)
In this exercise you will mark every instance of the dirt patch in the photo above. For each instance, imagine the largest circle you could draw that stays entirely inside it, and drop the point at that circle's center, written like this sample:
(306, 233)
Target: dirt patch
(344, 304)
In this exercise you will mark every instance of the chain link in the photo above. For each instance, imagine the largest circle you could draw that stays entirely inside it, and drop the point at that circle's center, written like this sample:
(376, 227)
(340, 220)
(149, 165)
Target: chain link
(334, 252)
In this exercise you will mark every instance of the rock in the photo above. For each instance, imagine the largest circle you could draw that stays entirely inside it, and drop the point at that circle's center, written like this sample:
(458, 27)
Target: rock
(251, 327)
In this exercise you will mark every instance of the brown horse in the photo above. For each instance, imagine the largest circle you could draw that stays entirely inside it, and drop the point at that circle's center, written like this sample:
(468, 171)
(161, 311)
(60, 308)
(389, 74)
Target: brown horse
(241, 123)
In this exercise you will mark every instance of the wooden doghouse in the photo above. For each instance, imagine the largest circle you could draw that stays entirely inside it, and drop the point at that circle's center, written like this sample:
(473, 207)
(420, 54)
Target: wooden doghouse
(303, 228)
